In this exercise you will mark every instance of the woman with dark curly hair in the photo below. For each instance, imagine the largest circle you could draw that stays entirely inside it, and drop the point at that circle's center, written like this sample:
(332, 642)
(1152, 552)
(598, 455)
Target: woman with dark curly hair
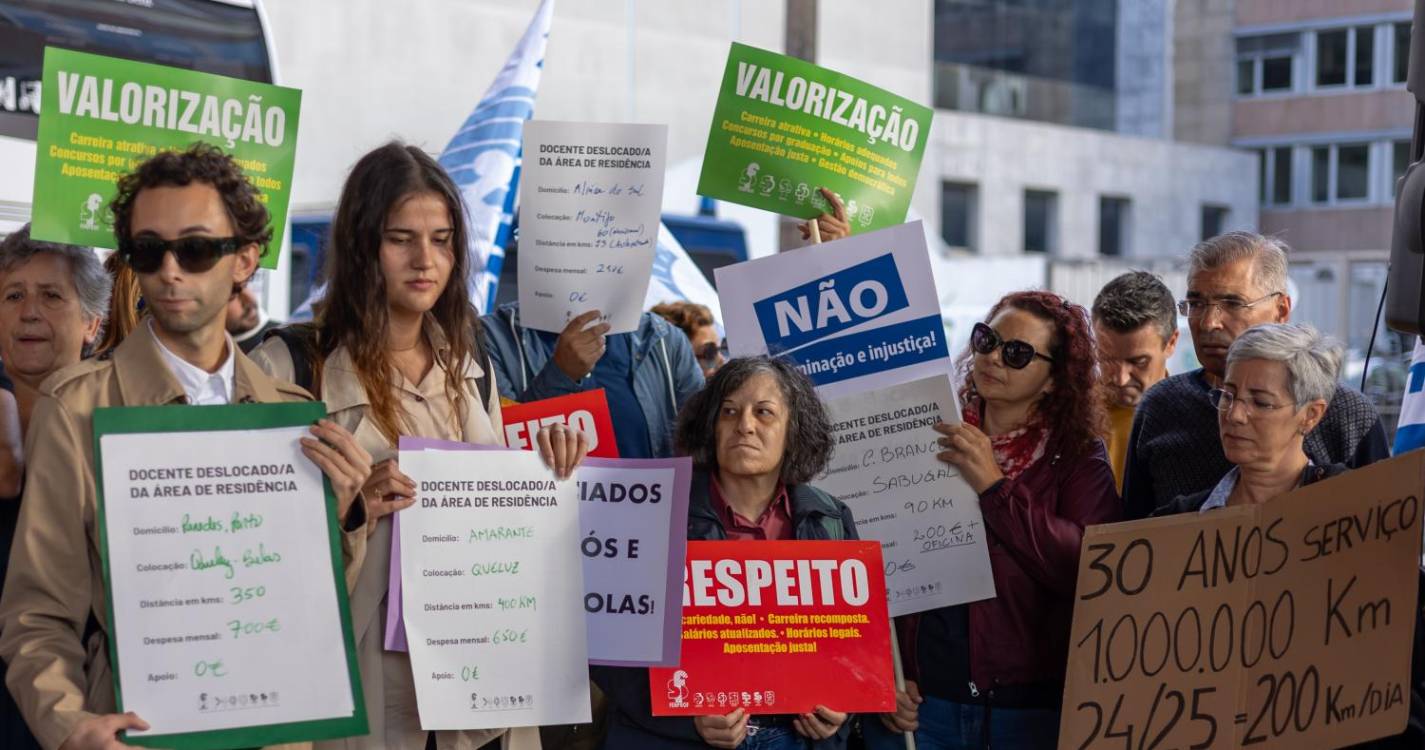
(757, 434)
(993, 671)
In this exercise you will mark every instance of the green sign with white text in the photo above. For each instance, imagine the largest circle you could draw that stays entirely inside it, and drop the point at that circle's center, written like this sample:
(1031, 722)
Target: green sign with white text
(101, 116)
(783, 128)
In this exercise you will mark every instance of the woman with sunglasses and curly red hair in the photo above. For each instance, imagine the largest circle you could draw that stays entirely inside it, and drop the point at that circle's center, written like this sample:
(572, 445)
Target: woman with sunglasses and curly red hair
(993, 671)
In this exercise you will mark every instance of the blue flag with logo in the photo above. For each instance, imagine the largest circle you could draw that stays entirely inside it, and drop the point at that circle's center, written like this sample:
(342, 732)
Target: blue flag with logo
(484, 157)
(1410, 433)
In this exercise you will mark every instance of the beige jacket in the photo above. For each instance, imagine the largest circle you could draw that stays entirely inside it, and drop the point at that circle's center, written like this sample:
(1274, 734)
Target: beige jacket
(428, 412)
(53, 613)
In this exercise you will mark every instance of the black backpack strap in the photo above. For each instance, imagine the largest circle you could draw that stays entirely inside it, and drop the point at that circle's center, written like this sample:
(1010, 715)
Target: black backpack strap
(301, 346)
(487, 367)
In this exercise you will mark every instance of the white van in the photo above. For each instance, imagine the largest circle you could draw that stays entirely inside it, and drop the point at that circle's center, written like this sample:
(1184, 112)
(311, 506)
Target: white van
(227, 37)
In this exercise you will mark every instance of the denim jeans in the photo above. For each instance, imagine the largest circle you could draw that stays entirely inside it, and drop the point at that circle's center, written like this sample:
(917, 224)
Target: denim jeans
(960, 726)
(776, 737)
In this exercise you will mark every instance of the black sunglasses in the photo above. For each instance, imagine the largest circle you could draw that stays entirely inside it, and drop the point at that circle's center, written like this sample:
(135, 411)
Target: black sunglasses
(194, 254)
(708, 353)
(1016, 354)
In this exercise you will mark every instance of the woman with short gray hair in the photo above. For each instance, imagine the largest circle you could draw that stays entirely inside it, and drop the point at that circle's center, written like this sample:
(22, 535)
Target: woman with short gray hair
(1280, 379)
(53, 301)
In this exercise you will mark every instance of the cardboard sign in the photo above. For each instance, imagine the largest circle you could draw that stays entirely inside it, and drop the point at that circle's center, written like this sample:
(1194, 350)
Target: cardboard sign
(1282, 625)
(765, 624)
(784, 127)
(587, 411)
(855, 314)
(101, 116)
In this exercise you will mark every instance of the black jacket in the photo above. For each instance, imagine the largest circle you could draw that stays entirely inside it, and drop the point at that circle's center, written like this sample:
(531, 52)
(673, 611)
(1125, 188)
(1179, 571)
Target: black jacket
(815, 516)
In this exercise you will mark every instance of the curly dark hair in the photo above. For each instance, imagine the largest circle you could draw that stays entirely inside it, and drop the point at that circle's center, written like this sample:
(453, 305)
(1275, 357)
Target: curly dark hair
(1133, 300)
(809, 440)
(1073, 411)
(200, 162)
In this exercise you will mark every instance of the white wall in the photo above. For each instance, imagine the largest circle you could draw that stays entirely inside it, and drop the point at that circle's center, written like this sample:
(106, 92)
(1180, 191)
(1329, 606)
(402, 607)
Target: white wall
(1167, 182)
(371, 70)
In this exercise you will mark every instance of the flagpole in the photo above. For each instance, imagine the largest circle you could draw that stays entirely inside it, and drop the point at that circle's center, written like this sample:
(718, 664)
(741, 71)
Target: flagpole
(899, 670)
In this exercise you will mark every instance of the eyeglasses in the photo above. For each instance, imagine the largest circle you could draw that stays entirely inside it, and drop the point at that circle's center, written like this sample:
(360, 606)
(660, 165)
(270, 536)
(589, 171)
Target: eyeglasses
(1015, 355)
(194, 254)
(710, 353)
(1224, 400)
(1235, 308)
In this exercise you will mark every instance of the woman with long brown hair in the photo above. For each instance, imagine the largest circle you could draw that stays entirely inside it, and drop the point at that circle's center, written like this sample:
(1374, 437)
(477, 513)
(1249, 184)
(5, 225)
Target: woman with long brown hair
(394, 351)
(991, 673)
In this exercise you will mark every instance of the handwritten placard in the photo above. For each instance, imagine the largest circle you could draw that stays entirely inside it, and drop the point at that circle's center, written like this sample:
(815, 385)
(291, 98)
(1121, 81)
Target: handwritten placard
(490, 582)
(230, 625)
(590, 197)
(920, 510)
(1283, 625)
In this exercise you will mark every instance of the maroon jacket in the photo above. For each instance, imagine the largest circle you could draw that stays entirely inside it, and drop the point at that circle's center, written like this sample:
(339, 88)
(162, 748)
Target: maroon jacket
(1036, 523)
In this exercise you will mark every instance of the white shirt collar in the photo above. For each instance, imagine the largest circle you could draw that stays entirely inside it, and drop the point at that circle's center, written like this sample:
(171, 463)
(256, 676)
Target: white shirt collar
(202, 388)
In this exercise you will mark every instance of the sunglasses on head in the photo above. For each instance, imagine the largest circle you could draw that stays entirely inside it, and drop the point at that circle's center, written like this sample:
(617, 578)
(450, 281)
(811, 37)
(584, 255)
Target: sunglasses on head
(1015, 354)
(194, 254)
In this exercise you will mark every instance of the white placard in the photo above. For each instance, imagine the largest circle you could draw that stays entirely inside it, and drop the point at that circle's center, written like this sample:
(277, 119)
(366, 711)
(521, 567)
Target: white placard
(855, 314)
(225, 608)
(926, 517)
(492, 591)
(590, 197)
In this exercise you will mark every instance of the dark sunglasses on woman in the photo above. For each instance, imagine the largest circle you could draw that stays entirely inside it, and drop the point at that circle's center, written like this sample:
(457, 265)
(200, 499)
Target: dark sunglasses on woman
(194, 254)
(709, 353)
(1016, 354)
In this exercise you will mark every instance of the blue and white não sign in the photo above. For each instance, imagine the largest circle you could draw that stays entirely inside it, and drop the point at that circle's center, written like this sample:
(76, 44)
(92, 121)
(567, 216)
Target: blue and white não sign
(854, 314)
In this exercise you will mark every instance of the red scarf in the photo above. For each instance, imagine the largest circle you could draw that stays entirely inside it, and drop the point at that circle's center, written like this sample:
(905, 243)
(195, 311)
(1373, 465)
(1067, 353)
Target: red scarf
(1014, 451)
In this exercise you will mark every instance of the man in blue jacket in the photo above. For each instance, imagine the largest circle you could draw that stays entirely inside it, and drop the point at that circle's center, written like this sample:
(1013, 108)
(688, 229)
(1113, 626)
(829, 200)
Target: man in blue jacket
(647, 374)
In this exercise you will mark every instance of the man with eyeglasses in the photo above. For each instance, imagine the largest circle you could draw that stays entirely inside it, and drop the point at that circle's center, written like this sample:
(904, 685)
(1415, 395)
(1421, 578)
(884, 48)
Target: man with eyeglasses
(192, 228)
(1235, 281)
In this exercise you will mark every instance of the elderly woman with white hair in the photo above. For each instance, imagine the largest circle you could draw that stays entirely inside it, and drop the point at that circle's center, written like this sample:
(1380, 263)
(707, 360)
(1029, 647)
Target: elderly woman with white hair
(53, 300)
(1279, 380)
(1278, 383)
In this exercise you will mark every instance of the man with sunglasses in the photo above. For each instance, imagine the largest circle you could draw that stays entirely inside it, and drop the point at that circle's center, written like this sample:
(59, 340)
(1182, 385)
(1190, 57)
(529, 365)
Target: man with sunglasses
(192, 229)
(1235, 281)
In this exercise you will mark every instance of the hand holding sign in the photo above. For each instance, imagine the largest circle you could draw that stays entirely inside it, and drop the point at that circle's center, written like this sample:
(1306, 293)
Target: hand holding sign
(829, 226)
(98, 732)
(580, 345)
(387, 490)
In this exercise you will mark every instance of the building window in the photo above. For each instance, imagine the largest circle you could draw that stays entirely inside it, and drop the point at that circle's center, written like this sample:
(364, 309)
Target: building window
(1112, 225)
(1214, 219)
(1399, 160)
(1274, 173)
(1340, 173)
(1401, 62)
(1331, 58)
(1264, 63)
(958, 202)
(1345, 57)
(1353, 166)
(1364, 56)
(1041, 209)
(1320, 174)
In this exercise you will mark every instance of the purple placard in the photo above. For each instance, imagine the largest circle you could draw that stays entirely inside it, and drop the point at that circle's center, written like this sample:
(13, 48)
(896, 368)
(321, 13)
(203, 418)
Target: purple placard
(677, 549)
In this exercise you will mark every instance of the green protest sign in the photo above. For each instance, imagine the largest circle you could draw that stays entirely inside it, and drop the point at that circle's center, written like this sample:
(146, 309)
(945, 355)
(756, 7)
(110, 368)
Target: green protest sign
(101, 116)
(783, 128)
